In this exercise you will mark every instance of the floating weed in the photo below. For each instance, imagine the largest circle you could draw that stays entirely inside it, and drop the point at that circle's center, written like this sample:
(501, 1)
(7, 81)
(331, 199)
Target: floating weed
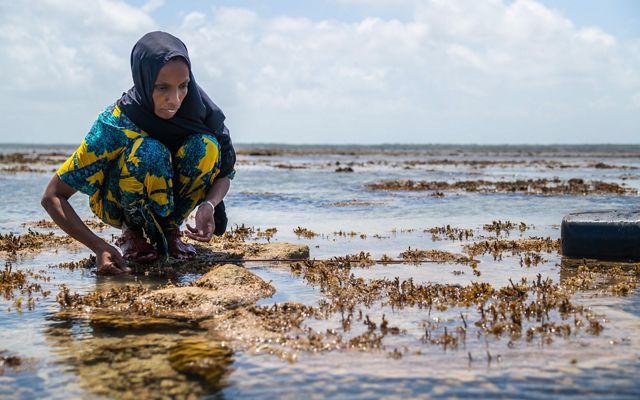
(351, 234)
(16, 286)
(88, 262)
(32, 240)
(357, 203)
(362, 259)
(305, 233)
(447, 232)
(385, 259)
(531, 259)
(417, 256)
(496, 247)
(268, 233)
(499, 227)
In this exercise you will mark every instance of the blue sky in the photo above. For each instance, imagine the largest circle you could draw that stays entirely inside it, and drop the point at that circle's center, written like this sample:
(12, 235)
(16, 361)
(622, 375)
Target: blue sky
(341, 71)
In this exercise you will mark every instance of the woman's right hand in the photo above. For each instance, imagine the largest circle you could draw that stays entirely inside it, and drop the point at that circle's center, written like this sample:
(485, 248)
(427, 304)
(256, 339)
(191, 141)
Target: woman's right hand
(56, 201)
(109, 261)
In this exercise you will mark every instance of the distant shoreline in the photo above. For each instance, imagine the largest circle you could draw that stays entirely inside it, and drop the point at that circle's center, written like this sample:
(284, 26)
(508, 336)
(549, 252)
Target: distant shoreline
(377, 145)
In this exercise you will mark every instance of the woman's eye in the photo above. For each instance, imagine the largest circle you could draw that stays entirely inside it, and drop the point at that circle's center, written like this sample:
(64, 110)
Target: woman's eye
(161, 88)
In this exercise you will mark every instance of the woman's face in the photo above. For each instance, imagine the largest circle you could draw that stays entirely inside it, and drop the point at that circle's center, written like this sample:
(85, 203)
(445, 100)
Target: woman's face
(170, 88)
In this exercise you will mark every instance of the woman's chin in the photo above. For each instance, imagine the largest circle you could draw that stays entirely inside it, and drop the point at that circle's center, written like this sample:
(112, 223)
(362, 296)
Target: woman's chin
(165, 114)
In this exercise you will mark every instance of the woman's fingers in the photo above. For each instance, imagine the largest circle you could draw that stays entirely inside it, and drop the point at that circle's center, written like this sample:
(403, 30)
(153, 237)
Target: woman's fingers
(110, 269)
(118, 261)
(191, 229)
(203, 230)
(197, 236)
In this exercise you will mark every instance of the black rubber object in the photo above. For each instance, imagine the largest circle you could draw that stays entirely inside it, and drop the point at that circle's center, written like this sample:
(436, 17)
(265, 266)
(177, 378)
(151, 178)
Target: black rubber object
(220, 219)
(603, 235)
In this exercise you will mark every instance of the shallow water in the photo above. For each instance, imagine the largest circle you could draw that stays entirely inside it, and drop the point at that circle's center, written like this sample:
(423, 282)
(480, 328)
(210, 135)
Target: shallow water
(264, 196)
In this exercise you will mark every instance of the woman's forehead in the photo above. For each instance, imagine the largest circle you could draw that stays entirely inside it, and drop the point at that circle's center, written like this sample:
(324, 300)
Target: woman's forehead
(174, 70)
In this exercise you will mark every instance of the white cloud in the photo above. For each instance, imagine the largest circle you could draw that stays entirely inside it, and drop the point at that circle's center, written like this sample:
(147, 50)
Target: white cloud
(152, 5)
(457, 71)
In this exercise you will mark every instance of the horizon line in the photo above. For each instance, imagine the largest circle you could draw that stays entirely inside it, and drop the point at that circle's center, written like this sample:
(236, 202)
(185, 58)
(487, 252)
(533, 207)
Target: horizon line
(364, 145)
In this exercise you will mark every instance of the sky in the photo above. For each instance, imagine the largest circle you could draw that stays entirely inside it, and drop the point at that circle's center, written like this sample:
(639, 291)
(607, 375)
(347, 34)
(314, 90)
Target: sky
(339, 71)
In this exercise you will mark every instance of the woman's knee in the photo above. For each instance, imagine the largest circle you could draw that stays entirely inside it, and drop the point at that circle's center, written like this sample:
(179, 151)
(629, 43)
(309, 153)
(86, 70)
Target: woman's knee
(203, 151)
(149, 156)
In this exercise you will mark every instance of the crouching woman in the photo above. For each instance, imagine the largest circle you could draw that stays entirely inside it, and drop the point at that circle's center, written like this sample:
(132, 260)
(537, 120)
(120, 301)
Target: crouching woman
(148, 161)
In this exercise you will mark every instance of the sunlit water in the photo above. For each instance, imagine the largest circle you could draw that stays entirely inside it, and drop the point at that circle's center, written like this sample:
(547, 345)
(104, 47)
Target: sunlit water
(264, 196)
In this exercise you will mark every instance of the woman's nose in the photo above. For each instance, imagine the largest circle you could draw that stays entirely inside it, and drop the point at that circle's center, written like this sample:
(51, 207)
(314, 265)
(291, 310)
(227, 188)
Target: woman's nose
(174, 98)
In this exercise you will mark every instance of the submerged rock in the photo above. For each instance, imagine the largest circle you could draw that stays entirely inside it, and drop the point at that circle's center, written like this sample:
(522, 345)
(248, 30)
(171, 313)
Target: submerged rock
(222, 288)
(201, 358)
(146, 366)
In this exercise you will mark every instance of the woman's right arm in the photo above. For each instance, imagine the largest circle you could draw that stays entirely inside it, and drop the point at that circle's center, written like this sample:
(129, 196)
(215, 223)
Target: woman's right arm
(56, 202)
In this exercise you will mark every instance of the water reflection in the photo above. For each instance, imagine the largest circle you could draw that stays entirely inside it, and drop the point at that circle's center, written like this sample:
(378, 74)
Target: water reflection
(140, 363)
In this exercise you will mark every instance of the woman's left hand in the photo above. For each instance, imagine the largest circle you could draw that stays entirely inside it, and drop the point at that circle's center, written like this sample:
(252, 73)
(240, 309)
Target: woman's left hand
(205, 224)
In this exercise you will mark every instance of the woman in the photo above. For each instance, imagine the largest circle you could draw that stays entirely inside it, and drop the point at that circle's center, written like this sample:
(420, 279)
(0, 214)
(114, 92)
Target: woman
(161, 150)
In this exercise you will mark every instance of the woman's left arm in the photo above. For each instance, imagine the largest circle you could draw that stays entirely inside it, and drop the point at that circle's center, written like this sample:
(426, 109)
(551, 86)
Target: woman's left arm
(205, 224)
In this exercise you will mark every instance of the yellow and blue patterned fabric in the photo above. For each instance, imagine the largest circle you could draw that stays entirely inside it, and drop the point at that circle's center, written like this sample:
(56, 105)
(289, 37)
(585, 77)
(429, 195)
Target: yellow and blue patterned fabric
(134, 179)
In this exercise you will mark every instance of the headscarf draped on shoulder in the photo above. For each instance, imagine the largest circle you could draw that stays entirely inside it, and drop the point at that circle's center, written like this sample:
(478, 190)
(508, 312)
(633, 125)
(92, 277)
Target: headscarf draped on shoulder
(197, 114)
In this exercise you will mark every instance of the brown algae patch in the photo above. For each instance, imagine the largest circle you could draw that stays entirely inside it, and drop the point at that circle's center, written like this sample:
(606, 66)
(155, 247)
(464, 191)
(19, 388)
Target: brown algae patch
(19, 244)
(21, 287)
(52, 158)
(447, 232)
(496, 247)
(418, 256)
(541, 186)
(614, 278)
(358, 203)
(362, 259)
(223, 287)
(499, 227)
(16, 169)
(522, 310)
(305, 233)
(88, 262)
(92, 224)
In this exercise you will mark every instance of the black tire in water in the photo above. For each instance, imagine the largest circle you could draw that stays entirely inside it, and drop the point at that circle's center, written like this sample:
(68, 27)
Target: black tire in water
(602, 235)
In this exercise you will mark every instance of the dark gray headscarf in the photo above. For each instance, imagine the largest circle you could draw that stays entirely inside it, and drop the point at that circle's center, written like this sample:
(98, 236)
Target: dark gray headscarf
(197, 114)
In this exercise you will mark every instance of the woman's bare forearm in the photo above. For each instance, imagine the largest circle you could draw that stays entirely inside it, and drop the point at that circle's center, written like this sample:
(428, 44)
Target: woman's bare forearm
(55, 202)
(218, 190)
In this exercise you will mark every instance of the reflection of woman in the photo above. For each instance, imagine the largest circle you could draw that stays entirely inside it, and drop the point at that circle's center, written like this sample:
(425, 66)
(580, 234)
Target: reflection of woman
(148, 161)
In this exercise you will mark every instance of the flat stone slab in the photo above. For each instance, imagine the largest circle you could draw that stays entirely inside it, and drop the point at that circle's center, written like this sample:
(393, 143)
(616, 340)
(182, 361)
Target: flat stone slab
(223, 252)
(248, 251)
(602, 235)
(223, 288)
